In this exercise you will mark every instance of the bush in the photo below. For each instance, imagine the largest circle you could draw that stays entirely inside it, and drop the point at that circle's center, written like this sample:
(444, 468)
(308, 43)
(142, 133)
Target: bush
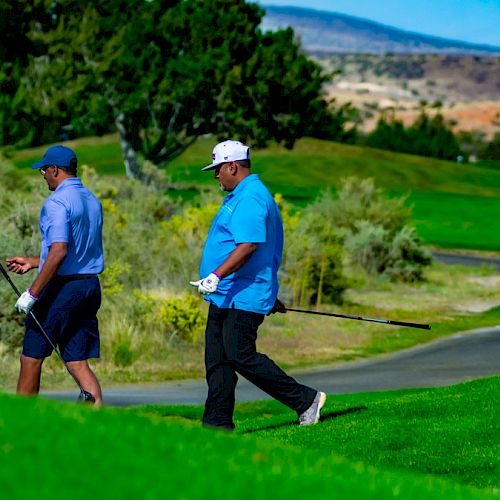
(359, 199)
(123, 354)
(372, 229)
(491, 150)
(398, 256)
(174, 318)
(312, 262)
(181, 318)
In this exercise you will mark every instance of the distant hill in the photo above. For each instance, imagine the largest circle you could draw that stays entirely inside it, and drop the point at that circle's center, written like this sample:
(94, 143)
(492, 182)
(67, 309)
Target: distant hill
(324, 33)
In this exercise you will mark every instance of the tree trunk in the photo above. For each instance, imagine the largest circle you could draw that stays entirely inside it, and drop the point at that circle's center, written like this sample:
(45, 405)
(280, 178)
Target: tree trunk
(132, 167)
(321, 279)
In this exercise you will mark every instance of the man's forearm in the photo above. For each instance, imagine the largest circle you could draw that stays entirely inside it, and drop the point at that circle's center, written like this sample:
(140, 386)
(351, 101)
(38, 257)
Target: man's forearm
(236, 259)
(33, 261)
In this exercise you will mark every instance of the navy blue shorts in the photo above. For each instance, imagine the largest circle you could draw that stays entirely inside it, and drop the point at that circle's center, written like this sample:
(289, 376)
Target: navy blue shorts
(67, 310)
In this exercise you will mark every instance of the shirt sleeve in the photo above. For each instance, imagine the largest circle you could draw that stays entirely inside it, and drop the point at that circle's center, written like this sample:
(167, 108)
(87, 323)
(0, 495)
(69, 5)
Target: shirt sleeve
(57, 220)
(248, 221)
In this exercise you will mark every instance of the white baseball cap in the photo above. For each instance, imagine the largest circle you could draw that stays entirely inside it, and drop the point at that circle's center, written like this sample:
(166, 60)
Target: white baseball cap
(228, 151)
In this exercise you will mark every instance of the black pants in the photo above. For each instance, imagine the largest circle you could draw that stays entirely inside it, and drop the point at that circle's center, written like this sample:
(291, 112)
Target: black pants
(230, 338)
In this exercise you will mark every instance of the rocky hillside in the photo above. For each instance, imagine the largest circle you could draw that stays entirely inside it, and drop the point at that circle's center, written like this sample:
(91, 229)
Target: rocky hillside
(325, 33)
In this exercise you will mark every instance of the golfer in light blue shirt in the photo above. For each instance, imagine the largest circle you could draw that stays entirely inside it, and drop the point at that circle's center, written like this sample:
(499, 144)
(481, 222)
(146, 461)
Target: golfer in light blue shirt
(239, 269)
(66, 295)
(248, 214)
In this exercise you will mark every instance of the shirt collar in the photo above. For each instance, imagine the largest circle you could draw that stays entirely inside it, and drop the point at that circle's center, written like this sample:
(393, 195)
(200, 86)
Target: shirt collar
(241, 185)
(72, 181)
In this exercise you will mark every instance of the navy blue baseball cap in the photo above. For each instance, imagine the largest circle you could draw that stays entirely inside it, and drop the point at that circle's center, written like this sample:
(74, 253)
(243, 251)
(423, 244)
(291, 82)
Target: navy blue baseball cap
(59, 156)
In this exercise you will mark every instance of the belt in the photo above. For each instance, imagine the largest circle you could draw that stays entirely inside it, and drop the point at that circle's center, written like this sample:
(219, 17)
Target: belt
(73, 277)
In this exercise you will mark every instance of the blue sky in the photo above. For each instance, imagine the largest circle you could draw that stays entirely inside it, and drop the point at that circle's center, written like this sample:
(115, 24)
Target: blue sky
(476, 21)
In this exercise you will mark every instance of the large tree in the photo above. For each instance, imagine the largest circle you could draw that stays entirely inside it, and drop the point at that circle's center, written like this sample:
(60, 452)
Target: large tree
(167, 71)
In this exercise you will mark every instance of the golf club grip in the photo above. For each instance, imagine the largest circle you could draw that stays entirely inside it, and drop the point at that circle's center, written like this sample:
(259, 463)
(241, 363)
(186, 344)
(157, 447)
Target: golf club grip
(360, 318)
(7, 277)
(411, 325)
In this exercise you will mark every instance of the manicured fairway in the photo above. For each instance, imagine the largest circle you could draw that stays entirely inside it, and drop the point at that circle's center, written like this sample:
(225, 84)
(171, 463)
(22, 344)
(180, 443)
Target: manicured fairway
(453, 220)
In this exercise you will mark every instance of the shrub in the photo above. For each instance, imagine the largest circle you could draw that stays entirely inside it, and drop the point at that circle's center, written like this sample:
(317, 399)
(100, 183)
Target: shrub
(372, 229)
(312, 261)
(175, 318)
(398, 256)
(359, 199)
(123, 354)
(182, 318)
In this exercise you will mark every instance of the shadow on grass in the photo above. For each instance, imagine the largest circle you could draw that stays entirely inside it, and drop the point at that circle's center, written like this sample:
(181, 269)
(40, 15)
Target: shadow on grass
(326, 416)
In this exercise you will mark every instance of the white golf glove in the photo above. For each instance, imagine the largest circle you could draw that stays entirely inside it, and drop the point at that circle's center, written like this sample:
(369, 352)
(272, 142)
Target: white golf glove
(25, 302)
(207, 285)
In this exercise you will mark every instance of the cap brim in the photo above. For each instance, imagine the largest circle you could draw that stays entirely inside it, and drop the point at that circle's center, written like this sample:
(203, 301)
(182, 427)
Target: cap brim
(38, 165)
(213, 166)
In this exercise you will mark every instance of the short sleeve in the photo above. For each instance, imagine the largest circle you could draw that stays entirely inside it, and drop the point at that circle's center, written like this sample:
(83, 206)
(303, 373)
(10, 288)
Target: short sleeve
(57, 222)
(248, 221)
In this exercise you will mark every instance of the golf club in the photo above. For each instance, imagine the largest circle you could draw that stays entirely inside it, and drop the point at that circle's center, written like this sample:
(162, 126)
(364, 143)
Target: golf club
(360, 318)
(84, 396)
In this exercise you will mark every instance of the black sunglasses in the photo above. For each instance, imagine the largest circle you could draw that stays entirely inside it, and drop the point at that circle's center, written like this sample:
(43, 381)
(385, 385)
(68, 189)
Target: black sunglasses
(44, 169)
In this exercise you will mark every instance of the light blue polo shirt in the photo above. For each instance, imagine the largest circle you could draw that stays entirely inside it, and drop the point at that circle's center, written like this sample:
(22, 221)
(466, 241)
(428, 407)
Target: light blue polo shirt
(248, 214)
(73, 215)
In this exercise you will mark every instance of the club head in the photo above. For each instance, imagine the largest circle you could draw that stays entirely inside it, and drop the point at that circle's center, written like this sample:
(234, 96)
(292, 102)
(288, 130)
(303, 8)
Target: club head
(85, 397)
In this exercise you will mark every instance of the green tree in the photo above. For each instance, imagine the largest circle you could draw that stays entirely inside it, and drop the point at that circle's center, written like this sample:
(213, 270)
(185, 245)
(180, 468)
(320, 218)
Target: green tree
(491, 150)
(167, 71)
(427, 136)
(18, 120)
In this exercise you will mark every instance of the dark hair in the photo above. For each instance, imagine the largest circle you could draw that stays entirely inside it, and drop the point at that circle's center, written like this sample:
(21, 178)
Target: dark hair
(243, 163)
(72, 167)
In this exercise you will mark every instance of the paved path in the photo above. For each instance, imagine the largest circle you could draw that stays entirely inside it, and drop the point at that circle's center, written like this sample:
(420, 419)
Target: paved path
(447, 361)
(450, 258)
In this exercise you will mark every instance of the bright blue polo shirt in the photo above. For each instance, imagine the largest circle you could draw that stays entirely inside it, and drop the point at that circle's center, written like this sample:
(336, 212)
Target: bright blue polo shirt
(248, 214)
(73, 215)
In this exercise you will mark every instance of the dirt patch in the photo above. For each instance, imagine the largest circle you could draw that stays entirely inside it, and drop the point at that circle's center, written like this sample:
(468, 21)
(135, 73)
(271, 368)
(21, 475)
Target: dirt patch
(486, 281)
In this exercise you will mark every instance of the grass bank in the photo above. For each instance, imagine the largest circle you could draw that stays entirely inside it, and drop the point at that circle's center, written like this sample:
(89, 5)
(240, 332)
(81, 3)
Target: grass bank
(449, 432)
(433, 443)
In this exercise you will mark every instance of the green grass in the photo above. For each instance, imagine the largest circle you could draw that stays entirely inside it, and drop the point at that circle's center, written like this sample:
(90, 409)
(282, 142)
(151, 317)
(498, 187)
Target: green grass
(452, 220)
(433, 443)
(101, 153)
(455, 205)
(450, 432)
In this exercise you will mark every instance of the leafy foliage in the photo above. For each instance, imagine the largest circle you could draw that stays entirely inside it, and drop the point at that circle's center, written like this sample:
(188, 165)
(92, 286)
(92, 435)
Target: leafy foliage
(312, 264)
(372, 229)
(491, 150)
(398, 256)
(164, 73)
(426, 137)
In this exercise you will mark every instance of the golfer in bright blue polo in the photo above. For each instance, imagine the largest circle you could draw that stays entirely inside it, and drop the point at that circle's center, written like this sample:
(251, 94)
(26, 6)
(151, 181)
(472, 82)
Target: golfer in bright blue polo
(66, 295)
(239, 270)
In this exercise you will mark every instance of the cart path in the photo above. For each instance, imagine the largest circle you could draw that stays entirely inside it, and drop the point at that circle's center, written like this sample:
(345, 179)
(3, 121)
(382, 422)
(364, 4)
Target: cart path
(452, 258)
(449, 360)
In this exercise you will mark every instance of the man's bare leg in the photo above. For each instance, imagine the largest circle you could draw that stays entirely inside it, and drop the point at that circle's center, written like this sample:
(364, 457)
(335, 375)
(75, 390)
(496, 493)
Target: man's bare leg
(84, 374)
(29, 376)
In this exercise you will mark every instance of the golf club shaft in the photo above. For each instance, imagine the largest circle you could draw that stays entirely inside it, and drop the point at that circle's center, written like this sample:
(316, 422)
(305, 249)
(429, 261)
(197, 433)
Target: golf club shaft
(360, 318)
(44, 333)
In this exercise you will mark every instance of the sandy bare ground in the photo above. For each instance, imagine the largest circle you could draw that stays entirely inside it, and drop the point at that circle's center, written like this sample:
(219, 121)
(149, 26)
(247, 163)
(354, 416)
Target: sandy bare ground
(372, 98)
